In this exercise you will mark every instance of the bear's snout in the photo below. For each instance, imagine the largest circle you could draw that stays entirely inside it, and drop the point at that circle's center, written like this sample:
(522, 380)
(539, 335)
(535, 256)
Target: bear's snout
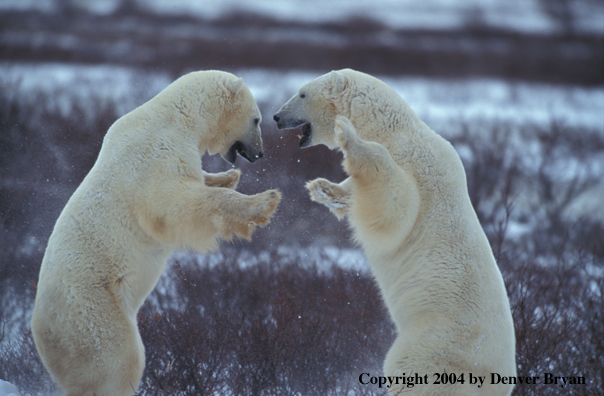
(285, 122)
(243, 150)
(279, 120)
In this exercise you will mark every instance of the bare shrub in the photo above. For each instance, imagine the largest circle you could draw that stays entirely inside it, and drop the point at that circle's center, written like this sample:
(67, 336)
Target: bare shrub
(265, 329)
(21, 365)
(260, 322)
(553, 267)
(44, 155)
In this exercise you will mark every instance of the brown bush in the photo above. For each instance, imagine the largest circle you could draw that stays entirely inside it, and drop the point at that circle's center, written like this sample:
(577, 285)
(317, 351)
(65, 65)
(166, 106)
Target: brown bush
(256, 321)
(263, 329)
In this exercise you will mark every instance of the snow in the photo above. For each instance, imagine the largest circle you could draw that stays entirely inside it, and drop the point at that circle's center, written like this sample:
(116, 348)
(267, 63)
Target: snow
(348, 259)
(8, 389)
(446, 105)
(524, 15)
(28, 5)
(443, 101)
(64, 87)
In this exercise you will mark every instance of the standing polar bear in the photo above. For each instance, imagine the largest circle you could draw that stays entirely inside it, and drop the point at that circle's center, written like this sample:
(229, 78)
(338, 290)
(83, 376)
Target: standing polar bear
(145, 196)
(407, 202)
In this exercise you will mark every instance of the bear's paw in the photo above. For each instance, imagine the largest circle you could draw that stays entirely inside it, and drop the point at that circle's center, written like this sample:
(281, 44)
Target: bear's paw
(336, 198)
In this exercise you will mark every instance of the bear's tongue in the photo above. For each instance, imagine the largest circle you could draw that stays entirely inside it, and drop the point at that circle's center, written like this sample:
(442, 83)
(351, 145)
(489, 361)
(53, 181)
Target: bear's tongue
(306, 135)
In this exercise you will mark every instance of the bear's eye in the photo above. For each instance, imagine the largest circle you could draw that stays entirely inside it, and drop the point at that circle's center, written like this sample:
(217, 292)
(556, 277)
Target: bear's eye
(256, 121)
(302, 95)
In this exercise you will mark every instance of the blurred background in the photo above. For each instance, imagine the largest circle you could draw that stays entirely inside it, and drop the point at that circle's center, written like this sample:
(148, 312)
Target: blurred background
(516, 85)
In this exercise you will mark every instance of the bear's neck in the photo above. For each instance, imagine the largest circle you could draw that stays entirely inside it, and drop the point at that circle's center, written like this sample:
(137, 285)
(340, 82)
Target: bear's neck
(395, 126)
(182, 119)
(410, 142)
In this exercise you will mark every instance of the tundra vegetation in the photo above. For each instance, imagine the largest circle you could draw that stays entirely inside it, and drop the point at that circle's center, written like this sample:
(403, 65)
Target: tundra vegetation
(288, 314)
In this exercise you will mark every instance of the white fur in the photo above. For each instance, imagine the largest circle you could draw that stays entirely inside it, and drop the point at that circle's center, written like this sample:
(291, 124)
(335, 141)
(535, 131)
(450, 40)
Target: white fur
(407, 202)
(145, 197)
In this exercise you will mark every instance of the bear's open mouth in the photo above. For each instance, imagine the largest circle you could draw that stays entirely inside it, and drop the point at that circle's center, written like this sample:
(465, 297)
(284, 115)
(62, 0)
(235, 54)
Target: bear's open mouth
(306, 138)
(239, 148)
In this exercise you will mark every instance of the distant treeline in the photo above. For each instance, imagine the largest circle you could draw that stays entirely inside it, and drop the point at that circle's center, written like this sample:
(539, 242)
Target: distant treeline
(134, 37)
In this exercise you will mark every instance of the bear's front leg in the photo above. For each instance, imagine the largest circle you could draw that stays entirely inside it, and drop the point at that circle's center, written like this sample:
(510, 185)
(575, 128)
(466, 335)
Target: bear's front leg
(228, 179)
(336, 197)
(262, 208)
(362, 159)
(386, 198)
(240, 214)
(189, 213)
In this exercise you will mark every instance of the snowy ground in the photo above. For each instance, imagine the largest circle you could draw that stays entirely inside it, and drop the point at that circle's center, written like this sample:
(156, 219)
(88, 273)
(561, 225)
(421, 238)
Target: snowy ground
(442, 101)
(444, 104)
(438, 101)
(8, 389)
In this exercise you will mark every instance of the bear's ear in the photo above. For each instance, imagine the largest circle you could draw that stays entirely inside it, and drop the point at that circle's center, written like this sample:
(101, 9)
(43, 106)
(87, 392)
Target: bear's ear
(337, 81)
(235, 85)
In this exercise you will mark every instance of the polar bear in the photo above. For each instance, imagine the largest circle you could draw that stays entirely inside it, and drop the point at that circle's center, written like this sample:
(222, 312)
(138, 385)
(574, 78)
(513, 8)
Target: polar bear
(145, 197)
(407, 202)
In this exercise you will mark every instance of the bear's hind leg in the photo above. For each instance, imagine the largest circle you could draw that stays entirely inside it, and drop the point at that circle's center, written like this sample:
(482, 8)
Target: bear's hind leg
(408, 358)
(108, 363)
(123, 365)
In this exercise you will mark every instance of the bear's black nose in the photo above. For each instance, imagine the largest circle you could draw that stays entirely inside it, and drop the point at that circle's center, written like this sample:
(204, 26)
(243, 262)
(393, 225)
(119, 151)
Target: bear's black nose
(260, 154)
(276, 118)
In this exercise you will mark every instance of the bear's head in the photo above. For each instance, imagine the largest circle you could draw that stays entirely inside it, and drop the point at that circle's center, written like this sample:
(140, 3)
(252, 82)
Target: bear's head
(315, 107)
(239, 125)
(220, 109)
